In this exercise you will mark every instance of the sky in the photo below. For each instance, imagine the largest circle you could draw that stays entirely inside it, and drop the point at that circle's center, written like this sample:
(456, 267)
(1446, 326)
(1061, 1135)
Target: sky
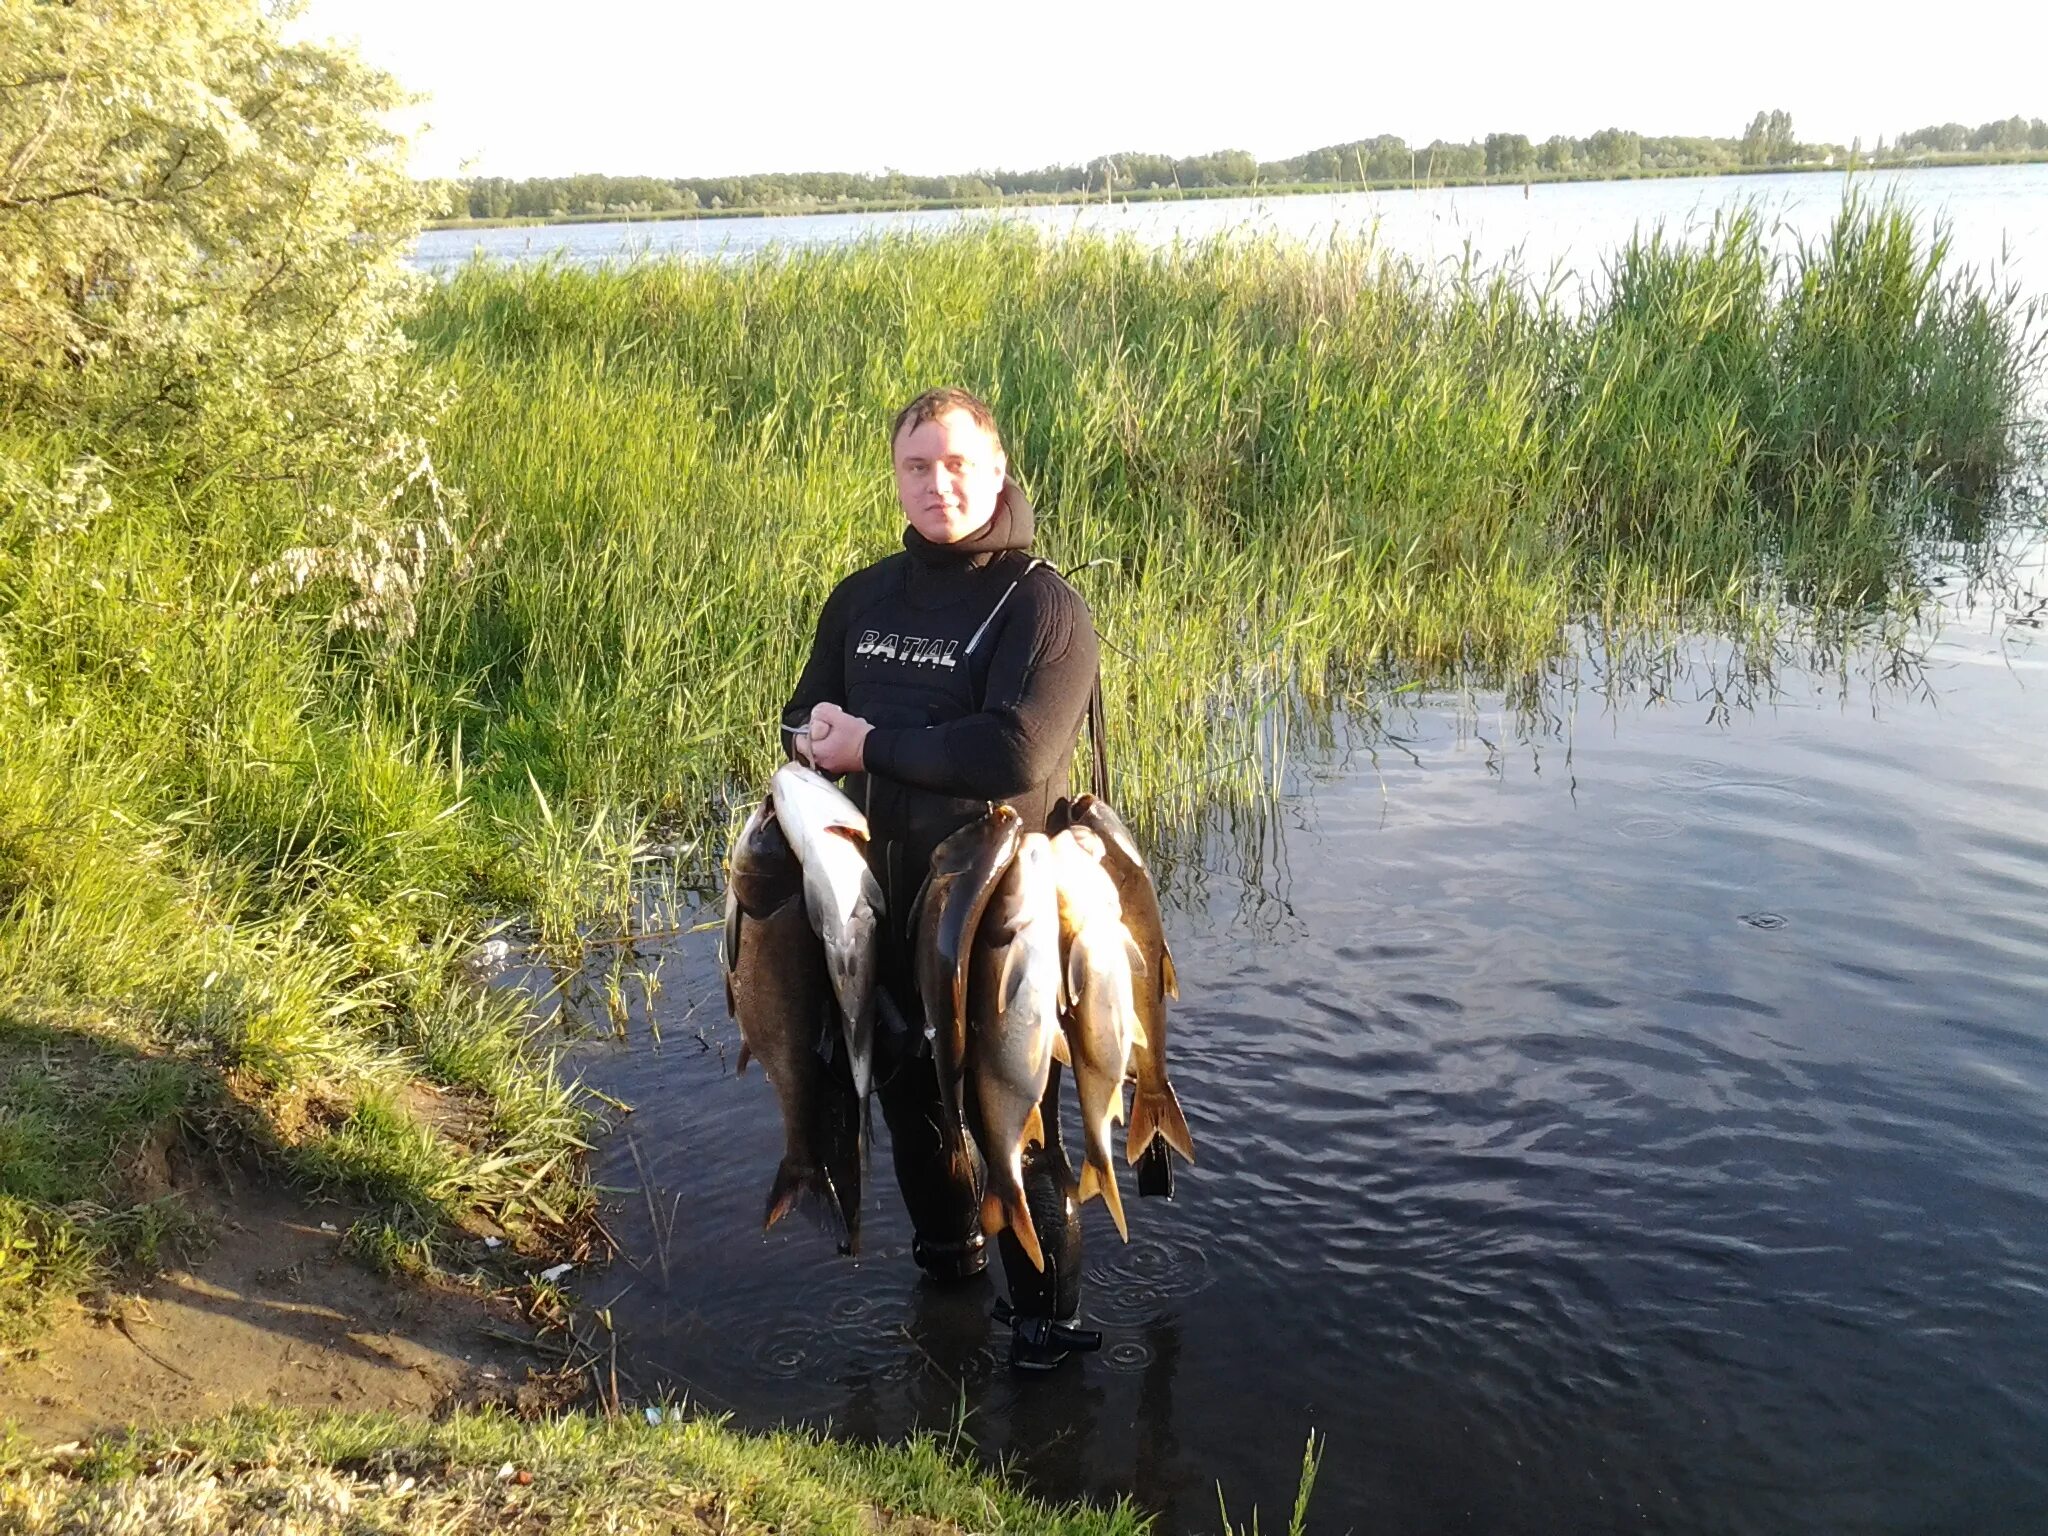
(632, 87)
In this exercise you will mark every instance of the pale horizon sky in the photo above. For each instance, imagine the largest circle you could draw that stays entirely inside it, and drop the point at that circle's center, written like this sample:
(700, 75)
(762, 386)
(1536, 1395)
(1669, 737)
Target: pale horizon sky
(629, 87)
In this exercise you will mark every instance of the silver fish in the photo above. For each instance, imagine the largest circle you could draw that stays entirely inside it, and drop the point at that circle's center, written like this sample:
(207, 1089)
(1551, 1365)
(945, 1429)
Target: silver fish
(1014, 998)
(1101, 1017)
(1155, 1107)
(830, 837)
(777, 987)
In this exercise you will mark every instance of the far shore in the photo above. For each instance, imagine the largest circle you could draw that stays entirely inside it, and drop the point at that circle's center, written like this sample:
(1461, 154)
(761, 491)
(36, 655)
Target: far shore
(1204, 194)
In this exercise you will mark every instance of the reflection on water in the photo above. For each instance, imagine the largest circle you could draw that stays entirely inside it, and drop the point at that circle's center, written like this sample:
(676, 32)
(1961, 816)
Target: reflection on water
(1618, 1105)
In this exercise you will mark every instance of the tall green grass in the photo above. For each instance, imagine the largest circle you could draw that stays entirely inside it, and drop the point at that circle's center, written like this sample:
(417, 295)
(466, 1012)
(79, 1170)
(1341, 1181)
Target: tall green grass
(1285, 475)
(234, 899)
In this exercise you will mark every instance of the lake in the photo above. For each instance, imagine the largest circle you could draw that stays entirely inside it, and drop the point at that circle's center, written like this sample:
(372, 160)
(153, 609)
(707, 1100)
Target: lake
(1997, 214)
(1623, 1109)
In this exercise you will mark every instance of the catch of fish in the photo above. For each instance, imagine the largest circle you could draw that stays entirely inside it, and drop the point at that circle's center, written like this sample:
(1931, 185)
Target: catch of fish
(1029, 948)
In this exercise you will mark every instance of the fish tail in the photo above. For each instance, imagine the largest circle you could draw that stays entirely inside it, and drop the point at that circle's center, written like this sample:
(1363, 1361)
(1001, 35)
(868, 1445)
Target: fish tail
(1102, 1181)
(1157, 1113)
(1006, 1208)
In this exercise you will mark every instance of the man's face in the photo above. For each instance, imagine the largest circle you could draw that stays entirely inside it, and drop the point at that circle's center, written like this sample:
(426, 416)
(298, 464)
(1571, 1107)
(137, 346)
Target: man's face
(949, 473)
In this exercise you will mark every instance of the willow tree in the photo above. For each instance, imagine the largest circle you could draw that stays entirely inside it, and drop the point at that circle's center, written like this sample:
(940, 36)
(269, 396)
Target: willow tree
(202, 233)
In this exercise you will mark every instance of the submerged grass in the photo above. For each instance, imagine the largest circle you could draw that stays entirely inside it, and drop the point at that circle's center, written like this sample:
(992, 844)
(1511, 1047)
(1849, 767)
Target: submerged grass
(244, 850)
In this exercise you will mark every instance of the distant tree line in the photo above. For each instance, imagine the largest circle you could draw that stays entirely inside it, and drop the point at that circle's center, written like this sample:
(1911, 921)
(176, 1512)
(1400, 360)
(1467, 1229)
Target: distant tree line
(1767, 141)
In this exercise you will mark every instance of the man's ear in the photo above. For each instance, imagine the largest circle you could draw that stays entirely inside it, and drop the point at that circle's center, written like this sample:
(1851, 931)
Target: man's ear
(1002, 465)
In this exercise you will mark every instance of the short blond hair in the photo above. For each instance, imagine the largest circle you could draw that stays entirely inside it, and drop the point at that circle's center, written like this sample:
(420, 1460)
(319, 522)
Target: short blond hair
(934, 403)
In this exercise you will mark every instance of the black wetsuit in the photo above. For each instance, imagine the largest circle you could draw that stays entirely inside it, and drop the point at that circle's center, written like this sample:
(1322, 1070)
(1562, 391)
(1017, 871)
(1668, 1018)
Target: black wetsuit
(973, 663)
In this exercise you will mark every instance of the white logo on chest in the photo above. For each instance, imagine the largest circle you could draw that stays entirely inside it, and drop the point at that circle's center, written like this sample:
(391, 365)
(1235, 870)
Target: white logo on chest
(911, 650)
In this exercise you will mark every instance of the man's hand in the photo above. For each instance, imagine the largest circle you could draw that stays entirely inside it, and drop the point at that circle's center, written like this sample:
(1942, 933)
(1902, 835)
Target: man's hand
(837, 739)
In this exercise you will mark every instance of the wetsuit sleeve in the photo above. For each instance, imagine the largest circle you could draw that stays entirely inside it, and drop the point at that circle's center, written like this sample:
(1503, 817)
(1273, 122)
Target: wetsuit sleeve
(1039, 679)
(823, 679)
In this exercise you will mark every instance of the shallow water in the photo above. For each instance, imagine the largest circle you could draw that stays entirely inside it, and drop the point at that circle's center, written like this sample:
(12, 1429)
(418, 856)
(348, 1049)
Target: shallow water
(1629, 1113)
(1998, 215)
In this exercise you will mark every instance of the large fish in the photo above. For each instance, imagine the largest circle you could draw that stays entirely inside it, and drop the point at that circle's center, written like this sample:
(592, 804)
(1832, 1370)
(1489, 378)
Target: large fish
(830, 837)
(777, 987)
(965, 870)
(1101, 1016)
(1155, 1107)
(1014, 992)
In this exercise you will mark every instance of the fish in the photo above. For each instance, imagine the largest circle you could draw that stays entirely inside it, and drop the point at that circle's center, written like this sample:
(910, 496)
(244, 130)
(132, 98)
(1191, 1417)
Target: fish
(1155, 1107)
(1100, 1021)
(965, 870)
(1014, 997)
(778, 989)
(830, 837)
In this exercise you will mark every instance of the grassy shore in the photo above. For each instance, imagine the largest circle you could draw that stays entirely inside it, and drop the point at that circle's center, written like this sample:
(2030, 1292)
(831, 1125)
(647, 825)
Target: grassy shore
(269, 771)
(1251, 190)
(478, 1471)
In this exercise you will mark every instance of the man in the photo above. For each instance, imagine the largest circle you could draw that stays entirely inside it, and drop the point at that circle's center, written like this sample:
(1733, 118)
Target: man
(952, 674)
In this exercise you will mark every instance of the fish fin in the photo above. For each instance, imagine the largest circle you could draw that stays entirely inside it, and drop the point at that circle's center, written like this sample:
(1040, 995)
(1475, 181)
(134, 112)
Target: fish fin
(1034, 1128)
(1095, 1182)
(1061, 1051)
(1153, 1115)
(1137, 955)
(858, 836)
(791, 1180)
(1113, 1197)
(1077, 975)
(1169, 978)
(729, 950)
(746, 1055)
(998, 1213)
(811, 1188)
(1139, 1039)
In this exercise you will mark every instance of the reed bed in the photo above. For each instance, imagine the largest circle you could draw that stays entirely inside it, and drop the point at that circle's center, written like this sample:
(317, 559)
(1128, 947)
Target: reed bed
(1283, 476)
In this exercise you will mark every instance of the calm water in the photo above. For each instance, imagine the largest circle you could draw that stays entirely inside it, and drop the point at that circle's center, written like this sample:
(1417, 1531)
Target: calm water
(1629, 1115)
(1995, 212)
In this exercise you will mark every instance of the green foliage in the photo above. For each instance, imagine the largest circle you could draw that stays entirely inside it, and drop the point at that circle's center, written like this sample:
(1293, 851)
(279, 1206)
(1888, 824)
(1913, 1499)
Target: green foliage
(202, 230)
(233, 890)
(1768, 140)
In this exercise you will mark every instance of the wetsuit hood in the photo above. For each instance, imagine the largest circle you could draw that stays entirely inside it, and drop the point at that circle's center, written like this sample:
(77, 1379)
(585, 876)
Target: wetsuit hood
(1012, 527)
